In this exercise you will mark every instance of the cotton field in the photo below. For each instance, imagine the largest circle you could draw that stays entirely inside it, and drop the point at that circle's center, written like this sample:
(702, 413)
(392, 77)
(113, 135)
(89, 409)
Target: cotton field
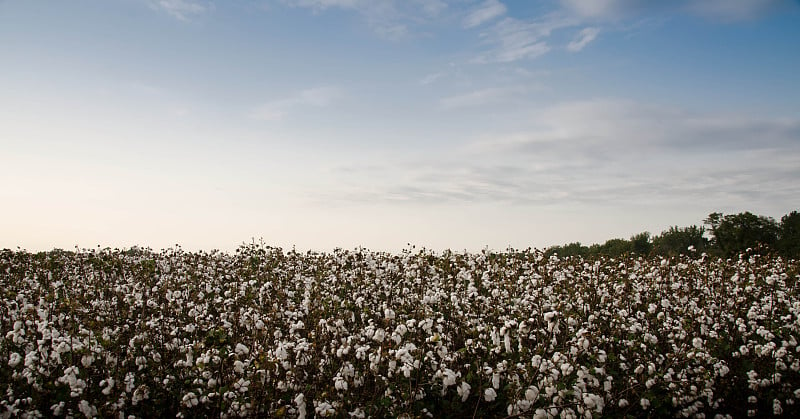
(269, 333)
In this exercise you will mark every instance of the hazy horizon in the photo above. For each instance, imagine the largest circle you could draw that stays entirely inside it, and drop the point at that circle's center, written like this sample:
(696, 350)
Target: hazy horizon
(457, 124)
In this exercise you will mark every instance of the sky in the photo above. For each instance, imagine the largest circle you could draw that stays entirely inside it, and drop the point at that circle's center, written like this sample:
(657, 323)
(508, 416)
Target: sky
(445, 124)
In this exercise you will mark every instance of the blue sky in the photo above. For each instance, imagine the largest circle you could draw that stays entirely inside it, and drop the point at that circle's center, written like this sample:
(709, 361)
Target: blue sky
(442, 123)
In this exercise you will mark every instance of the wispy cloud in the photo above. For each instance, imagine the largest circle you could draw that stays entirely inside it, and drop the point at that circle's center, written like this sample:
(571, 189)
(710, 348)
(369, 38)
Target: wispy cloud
(430, 78)
(487, 11)
(278, 109)
(618, 126)
(607, 9)
(482, 97)
(390, 19)
(181, 9)
(583, 38)
(725, 10)
(512, 39)
(607, 151)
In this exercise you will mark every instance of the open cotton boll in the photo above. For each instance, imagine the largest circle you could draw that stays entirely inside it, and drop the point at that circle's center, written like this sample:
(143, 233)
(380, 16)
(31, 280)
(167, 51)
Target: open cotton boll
(489, 394)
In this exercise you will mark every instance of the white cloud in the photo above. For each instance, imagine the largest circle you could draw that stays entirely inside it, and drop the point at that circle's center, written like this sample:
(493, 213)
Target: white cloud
(430, 78)
(478, 98)
(513, 39)
(181, 9)
(584, 37)
(734, 10)
(390, 19)
(324, 4)
(602, 151)
(278, 109)
(614, 126)
(487, 11)
(432, 7)
(604, 9)
(725, 10)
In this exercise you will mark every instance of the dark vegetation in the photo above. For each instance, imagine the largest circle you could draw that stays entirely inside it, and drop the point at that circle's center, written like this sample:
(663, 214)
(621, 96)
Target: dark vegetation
(720, 235)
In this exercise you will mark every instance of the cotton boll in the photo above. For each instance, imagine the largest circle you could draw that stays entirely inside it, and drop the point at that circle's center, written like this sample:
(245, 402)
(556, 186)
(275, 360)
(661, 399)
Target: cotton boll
(645, 403)
(463, 390)
(531, 394)
(241, 349)
(489, 395)
(14, 359)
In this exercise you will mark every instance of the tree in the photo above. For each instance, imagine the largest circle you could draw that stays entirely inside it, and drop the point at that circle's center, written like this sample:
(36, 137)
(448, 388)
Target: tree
(572, 249)
(613, 248)
(676, 241)
(789, 235)
(641, 244)
(737, 232)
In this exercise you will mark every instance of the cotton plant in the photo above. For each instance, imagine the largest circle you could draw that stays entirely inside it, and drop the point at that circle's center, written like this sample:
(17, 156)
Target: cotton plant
(264, 332)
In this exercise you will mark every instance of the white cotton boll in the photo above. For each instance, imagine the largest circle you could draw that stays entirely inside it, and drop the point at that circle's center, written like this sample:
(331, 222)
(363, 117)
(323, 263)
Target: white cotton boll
(379, 335)
(645, 403)
(697, 343)
(108, 384)
(531, 394)
(359, 413)
(776, 407)
(300, 401)
(489, 395)
(87, 360)
(496, 381)
(389, 314)
(58, 409)
(623, 403)
(324, 409)
(241, 349)
(87, 409)
(339, 383)
(238, 367)
(190, 400)
(449, 378)
(14, 359)
(463, 391)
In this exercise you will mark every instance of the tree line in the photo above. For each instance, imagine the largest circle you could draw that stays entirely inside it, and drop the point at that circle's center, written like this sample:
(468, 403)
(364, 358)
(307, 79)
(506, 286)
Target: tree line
(720, 235)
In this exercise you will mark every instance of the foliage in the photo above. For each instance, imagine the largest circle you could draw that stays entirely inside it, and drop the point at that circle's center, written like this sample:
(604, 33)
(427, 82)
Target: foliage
(641, 244)
(736, 233)
(789, 235)
(730, 235)
(678, 241)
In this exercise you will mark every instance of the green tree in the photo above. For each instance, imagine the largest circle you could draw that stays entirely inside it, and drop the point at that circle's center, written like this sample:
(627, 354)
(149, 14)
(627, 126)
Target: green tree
(614, 248)
(789, 235)
(641, 244)
(676, 241)
(572, 249)
(737, 232)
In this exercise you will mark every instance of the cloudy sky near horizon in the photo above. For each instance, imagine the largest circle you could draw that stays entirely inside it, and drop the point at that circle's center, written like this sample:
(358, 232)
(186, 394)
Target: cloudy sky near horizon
(440, 123)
